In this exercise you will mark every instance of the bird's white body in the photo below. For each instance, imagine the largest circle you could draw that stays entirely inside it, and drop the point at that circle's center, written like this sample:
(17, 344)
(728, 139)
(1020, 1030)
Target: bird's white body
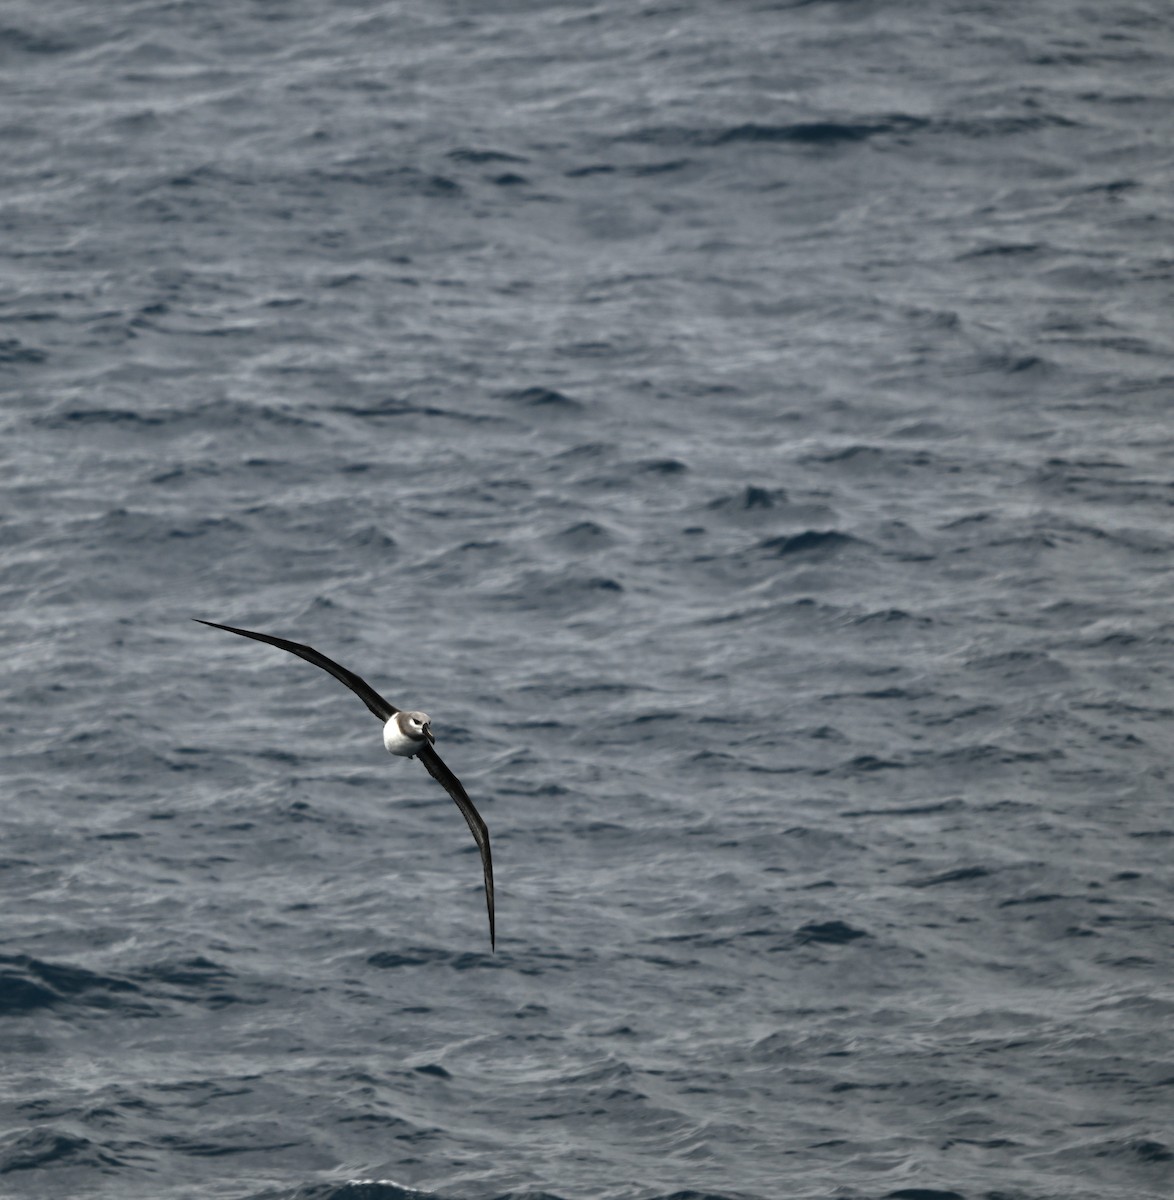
(407, 733)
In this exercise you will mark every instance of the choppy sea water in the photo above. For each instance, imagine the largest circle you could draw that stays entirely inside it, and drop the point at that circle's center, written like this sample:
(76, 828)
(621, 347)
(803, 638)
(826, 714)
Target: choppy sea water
(746, 429)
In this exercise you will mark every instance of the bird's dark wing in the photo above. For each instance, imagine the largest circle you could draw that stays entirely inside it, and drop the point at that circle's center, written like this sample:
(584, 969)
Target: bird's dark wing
(452, 785)
(369, 696)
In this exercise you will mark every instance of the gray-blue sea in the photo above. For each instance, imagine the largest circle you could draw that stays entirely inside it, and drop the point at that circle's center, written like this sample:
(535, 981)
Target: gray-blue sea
(747, 428)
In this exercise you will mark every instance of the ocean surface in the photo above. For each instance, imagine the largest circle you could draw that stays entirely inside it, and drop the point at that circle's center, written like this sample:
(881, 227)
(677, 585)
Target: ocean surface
(748, 429)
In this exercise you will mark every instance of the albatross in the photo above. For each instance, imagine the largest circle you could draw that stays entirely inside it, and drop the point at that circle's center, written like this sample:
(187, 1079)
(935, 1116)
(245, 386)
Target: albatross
(407, 733)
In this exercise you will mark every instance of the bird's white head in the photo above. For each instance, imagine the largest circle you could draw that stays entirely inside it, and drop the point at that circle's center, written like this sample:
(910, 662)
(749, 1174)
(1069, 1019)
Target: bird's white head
(417, 726)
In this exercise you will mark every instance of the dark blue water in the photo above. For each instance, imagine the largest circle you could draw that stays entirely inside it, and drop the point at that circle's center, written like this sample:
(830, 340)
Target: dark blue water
(746, 429)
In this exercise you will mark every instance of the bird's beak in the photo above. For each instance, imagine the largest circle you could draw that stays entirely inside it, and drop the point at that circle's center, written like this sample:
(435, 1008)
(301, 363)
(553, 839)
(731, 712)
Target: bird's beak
(428, 734)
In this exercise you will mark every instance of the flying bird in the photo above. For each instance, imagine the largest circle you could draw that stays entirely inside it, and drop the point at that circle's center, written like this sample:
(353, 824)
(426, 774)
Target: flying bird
(405, 733)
